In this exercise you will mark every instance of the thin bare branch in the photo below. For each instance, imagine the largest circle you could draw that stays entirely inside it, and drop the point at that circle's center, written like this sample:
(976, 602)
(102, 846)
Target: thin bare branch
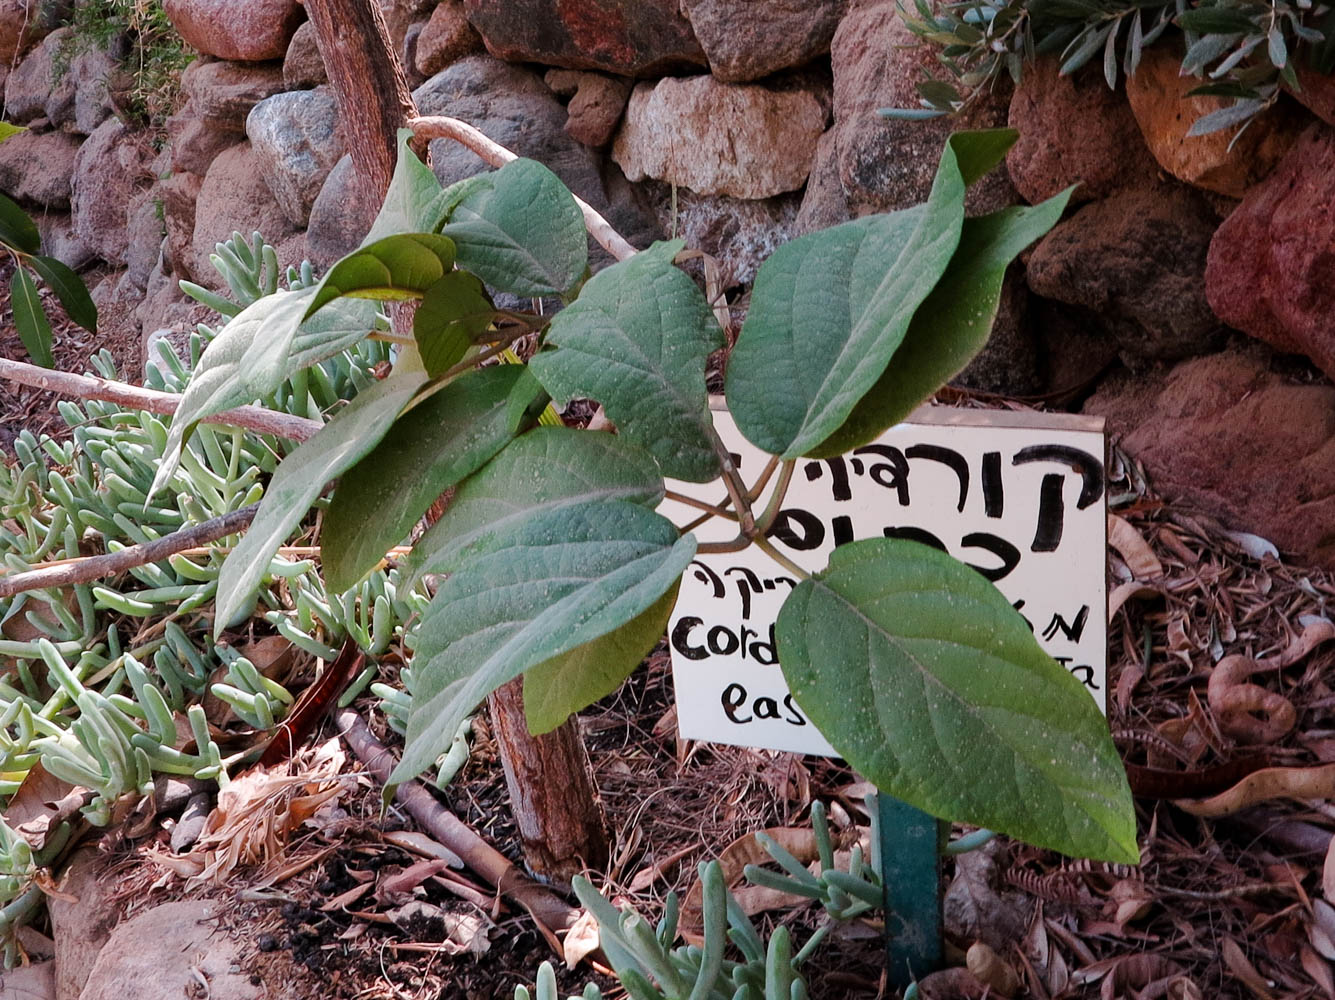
(498, 156)
(252, 418)
(71, 571)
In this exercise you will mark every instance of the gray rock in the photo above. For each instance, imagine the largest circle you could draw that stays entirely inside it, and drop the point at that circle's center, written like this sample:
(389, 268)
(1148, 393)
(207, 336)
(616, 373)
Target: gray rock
(61, 240)
(38, 167)
(82, 918)
(741, 140)
(30, 82)
(747, 39)
(233, 198)
(24, 23)
(160, 954)
(113, 165)
(144, 231)
(512, 106)
(37, 980)
(824, 202)
(886, 165)
(1137, 260)
(340, 218)
(303, 68)
(295, 139)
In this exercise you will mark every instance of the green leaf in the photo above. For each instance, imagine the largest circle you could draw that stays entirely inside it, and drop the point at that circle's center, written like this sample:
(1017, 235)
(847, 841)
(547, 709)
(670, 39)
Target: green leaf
(520, 230)
(452, 314)
(1217, 21)
(69, 289)
(559, 580)
(300, 478)
(828, 310)
(636, 340)
(396, 268)
(413, 189)
(8, 130)
(30, 318)
(920, 673)
(952, 325)
(17, 228)
(433, 446)
(256, 351)
(574, 680)
(1234, 114)
(546, 469)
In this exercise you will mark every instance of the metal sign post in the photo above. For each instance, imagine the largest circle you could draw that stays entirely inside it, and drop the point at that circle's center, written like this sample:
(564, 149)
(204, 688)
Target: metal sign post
(911, 847)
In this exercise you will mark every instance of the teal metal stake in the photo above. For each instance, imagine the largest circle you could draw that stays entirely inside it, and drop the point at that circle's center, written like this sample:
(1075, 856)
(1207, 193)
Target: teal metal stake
(911, 847)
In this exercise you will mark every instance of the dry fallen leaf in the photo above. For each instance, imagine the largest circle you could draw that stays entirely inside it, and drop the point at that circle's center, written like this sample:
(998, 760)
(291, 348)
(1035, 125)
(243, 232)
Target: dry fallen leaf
(1133, 549)
(581, 940)
(1267, 783)
(1243, 970)
(990, 968)
(1318, 969)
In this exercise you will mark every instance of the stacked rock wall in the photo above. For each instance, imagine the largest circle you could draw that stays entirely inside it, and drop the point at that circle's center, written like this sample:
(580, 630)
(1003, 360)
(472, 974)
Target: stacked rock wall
(739, 124)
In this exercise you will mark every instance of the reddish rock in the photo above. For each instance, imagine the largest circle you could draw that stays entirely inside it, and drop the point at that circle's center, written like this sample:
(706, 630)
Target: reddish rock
(824, 203)
(744, 40)
(1073, 129)
(219, 96)
(1271, 262)
(1165, 115)
(179, 193)
(741, 140)
(640, 38)
(446, 37)
(1316, 93)
(37, 167)
(247, 32)
(303, 68)
(884, 164)
(29, 84)
(1137, 260)
(113, 165)
(233, 198)
(61, 240)
(597, 102)
(1226, 435)
(24, 23)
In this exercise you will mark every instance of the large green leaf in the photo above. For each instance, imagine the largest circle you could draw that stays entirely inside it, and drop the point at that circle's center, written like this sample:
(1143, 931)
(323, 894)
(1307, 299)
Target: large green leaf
(429, 449)
(921, 674)
(413, 189)
(258, 348)
(561, 579)
(545, 469)
(520, 230)
(300, 478)
(30, 318)
(828, 310)
(636, 340)
(454, 311)
(69, 289)
(396, 268)
(17, 228)
(576, 679)
(8, 130)
(952, 325)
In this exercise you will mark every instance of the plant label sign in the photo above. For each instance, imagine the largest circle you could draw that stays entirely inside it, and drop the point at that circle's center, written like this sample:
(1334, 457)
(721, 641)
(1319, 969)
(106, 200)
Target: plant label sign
(1018, 496)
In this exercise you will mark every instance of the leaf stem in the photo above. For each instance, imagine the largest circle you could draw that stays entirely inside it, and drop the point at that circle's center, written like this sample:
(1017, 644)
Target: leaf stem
(771, 510)
(758, 488)
(700, 505)
(736, 488)
(767, 547)
(736, 545)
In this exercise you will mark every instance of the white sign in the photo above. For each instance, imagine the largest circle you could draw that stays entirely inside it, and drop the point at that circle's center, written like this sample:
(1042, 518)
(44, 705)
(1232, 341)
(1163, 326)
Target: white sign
(1018, 496)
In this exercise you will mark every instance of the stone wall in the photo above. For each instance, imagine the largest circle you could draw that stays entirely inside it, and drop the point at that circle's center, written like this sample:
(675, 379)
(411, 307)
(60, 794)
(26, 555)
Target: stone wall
(763, 115)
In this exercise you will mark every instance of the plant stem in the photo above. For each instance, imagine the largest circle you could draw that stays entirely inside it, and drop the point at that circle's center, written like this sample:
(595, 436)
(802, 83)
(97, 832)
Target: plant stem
(736, 545)
(753, 494)
(771, 510)
(736, 488)
(700, 505)
(767, 547)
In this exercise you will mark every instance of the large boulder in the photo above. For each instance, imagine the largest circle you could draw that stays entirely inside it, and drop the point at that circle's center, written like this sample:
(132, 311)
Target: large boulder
(1269, 269)
(24, 23)
(233, 198)
(61, 240)
(513, 107)
(38, 167)
(1137, 261)
(295, 139)
(884, 164)
(340, 217)
(113, 165)
(179, 192)
(1074, 130)
(30, 83)
(1278, 438)
(82, 916)
(447, 36)
(248, 32)
(740, 140)
(744, 43)
(1221, 161)
(642, 39)
(81, 94)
